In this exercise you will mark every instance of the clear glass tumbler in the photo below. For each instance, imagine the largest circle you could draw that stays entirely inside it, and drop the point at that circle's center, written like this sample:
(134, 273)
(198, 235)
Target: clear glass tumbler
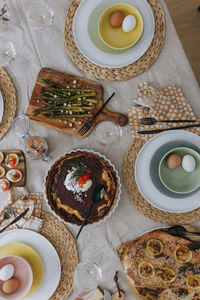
(7, 52)
(108, 134)
(40, 15)
(86, 278)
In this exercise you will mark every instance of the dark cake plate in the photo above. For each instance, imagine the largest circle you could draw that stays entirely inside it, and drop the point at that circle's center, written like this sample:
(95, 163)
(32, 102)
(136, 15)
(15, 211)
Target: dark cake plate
(48, 186)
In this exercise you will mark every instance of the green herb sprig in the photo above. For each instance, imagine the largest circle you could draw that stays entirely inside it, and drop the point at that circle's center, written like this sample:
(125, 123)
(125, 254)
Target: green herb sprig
(187, 267)
(80, 170)
(159, 255)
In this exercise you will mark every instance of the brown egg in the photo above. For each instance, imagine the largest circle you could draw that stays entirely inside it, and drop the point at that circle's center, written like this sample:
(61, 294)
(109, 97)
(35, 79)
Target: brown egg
(116, 18)
(173, 161)
(10, 286)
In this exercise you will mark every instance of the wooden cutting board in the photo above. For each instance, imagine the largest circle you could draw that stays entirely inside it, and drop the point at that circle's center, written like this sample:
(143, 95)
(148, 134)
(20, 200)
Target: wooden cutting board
(63, 125)
(21, 166)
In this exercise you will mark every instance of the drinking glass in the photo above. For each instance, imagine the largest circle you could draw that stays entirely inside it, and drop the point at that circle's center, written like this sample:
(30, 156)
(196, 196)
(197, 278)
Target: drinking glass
(40, 15)
(21, 126)
(86, 278)
(107, 134)
(35, 147)
(7, 52)
(10, 59)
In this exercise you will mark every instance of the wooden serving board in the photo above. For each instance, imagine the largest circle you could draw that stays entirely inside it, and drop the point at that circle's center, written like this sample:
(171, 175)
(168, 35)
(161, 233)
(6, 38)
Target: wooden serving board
(63, 125)
(21, 166)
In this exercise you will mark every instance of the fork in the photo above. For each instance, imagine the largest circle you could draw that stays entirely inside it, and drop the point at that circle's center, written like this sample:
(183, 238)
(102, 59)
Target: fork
(86, 127)
(8, 214)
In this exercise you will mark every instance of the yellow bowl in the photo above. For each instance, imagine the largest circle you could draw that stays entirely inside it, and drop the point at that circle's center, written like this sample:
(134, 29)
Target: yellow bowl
(116, 38)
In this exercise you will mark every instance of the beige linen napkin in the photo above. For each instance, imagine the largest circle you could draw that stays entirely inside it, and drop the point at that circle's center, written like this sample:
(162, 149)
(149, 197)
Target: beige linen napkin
(168, 103)
(20, 200)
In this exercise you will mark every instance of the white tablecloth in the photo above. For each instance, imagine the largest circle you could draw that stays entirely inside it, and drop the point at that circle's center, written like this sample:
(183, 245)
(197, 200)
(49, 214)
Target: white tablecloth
(46, 49)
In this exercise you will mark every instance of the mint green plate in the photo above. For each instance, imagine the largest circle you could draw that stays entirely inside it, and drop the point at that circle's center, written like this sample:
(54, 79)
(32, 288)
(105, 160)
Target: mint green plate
(178, 180)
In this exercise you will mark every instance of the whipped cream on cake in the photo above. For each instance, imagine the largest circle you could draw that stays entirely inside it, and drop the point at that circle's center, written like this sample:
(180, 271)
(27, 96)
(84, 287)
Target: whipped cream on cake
(77, 185)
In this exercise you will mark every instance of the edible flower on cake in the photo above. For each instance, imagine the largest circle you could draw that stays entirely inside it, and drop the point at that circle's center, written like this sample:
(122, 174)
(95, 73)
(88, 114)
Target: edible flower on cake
(78, 179)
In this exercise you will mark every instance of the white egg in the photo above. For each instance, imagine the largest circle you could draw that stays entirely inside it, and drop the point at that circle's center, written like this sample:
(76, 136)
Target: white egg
(129, 23)
(188, 163)
(6, 272)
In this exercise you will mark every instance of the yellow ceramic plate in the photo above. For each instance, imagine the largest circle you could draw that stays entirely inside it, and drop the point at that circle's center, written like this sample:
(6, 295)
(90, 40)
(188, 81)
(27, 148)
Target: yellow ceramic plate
(116, 38)
(31, 256)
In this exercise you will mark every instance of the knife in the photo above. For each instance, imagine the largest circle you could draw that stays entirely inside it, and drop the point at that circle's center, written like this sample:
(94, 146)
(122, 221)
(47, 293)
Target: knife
(15, 220)
(107, 295)
(167, 129)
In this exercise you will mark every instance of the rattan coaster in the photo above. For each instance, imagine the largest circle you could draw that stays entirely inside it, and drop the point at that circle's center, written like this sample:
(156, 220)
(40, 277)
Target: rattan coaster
(57, 233)
(123, 73)
(10, 101)
(141, 204)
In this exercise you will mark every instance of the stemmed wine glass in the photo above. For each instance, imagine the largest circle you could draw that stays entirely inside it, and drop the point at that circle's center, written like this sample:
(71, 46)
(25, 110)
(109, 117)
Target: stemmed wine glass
(35, 147)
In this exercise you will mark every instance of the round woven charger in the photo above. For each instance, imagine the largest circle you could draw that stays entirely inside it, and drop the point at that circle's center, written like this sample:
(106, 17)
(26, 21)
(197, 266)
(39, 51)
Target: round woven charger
(57, 233)
(116, 74)
(139, 201)
(10, 101)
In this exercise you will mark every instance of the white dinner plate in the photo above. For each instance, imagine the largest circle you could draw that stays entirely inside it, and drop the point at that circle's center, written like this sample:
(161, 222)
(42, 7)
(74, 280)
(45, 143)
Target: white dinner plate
(93, 53)
(1, 106)
(147, 177)
(48, 255)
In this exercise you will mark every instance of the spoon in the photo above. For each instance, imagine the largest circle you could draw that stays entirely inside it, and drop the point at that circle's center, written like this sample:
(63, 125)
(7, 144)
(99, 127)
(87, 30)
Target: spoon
(178, 230)
(152, 121)
(97, 196)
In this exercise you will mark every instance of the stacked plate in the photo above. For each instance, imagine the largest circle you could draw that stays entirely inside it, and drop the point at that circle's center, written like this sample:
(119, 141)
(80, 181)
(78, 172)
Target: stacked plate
(41, 256)
(89, 43)
(147, 172)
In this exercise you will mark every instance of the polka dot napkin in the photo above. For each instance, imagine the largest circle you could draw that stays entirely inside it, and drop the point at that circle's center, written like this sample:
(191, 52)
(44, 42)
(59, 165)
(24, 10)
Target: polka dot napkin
(20, 200)
(165, 104)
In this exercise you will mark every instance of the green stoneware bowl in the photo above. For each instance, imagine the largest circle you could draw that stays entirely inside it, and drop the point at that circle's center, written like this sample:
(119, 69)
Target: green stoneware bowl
(178, 180)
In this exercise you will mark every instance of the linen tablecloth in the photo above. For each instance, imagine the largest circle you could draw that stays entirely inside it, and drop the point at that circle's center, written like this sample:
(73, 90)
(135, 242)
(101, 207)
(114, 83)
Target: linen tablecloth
(46, 49)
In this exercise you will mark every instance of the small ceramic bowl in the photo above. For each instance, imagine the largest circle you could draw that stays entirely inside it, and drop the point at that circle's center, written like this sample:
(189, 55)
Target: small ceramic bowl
(116, 38)
(178, 180)
(22, 272)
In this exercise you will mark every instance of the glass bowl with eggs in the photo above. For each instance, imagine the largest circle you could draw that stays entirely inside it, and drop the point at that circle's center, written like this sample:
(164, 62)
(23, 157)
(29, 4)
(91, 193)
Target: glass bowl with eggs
(179, 170)
(120, 26)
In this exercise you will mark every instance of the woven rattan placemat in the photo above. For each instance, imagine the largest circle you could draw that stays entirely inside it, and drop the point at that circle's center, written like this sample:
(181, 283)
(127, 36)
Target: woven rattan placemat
(117, 74)
(139, 201)
(10, 101)
(57, 233)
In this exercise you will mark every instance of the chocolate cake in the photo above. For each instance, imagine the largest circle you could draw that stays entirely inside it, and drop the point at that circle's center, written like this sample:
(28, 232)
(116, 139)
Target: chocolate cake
(70, 184)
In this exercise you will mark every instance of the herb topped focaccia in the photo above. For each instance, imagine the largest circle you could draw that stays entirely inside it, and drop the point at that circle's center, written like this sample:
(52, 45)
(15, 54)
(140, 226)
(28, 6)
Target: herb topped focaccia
(161, 266)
